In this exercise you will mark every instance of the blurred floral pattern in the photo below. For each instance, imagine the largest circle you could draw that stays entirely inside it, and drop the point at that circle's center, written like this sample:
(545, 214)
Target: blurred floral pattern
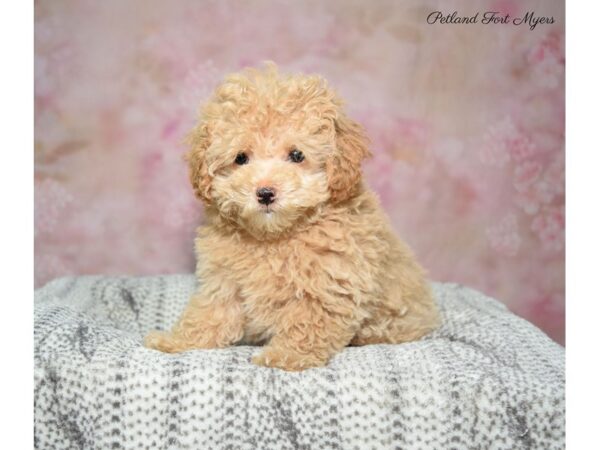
(466, 123)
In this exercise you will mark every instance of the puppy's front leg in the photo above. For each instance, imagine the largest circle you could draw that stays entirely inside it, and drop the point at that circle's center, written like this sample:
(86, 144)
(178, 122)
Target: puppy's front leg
(213, 318)
(307, 335)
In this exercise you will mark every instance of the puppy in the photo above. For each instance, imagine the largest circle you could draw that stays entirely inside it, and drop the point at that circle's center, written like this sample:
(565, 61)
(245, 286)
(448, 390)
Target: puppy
(297, 253)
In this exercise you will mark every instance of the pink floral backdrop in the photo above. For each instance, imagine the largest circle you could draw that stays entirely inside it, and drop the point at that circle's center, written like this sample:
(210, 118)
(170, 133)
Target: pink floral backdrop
(466, 123)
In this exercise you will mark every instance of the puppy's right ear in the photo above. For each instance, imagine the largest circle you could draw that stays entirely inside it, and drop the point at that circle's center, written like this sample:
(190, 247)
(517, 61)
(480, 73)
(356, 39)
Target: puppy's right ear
(199, 141)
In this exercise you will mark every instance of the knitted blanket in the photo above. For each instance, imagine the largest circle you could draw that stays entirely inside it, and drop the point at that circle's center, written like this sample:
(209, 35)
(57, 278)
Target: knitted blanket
(486, 379)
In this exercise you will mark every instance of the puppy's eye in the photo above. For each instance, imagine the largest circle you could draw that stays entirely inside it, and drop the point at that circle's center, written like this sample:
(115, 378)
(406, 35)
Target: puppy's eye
(296, 156)
(241, 159)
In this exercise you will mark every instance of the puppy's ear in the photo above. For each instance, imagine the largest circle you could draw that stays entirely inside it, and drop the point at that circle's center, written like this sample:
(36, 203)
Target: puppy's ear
(199, 141)
(343, 165)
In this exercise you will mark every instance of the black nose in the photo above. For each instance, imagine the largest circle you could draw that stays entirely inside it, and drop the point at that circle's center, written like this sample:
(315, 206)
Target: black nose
(265, 195)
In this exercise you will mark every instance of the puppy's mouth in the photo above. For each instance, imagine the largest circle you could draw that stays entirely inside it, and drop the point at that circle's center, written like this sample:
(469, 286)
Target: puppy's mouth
(267, 209)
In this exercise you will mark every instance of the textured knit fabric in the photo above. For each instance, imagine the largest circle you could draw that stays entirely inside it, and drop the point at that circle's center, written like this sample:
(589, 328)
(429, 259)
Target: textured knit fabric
(485, 380)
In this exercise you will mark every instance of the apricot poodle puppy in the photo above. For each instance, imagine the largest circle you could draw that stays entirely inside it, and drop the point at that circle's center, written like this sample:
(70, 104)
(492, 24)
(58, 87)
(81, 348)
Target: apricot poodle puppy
(297, 254)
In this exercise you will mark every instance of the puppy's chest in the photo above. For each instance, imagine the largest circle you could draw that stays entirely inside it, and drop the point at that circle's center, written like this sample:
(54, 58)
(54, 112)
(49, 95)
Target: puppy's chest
(271, 272)
(268, 274)
(263, 270)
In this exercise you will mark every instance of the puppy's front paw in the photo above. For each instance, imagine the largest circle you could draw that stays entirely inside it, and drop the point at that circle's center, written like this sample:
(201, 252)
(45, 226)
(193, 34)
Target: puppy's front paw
(163, 341)
(286, 360)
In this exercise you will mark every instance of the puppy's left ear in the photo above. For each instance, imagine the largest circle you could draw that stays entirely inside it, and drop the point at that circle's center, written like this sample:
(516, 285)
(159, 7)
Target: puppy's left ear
(199, 141)
(343, 165)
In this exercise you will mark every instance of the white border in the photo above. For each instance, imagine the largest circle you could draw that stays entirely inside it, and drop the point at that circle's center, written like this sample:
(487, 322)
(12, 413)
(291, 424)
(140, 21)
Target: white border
(16, 331)
(583, 224)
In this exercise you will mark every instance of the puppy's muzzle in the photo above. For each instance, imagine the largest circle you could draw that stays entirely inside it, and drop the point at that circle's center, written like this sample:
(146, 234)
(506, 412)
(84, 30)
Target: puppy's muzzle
(265, 195)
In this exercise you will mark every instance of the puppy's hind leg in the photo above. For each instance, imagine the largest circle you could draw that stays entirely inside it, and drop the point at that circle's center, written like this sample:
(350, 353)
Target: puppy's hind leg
(398, 326)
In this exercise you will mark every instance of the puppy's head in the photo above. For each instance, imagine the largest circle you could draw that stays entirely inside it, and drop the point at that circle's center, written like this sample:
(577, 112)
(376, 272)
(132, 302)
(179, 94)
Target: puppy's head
(270, 148)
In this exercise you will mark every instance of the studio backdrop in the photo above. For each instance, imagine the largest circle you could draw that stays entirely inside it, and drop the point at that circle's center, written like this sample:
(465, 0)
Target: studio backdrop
(466, 121)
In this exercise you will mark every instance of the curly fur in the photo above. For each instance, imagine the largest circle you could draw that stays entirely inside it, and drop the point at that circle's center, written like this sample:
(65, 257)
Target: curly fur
(317, 270)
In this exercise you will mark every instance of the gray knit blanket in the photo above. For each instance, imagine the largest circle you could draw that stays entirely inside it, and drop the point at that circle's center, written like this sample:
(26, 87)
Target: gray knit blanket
(486, 379)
